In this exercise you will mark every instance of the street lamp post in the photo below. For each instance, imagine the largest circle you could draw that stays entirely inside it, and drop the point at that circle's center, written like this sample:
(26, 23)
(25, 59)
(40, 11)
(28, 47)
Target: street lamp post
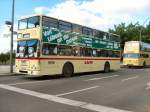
(11, 24)
(11, 40)
(140, 39)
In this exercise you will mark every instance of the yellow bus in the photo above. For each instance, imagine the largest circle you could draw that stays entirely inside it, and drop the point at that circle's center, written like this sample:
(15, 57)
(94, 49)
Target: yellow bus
(136, 53)
(49, 46)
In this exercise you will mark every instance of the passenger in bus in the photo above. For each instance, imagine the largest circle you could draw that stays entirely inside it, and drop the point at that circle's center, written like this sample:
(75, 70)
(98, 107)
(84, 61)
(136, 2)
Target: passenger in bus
(45, 50)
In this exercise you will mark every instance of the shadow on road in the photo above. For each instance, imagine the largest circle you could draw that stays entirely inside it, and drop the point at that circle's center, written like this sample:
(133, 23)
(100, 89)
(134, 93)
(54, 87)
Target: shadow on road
(53, 77)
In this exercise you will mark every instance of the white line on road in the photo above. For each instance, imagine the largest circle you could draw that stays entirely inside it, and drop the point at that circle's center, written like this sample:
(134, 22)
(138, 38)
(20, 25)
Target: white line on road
(85, 89)
(148, 86)
(27, 82)
(93, 79)
(130, 78)
(85, 105)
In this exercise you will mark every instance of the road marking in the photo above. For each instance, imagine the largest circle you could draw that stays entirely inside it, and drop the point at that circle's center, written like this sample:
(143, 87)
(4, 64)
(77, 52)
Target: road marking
(93, 79)
(148, 84)
(130, 78)
(147, 88)
(28, 82)
(85, 89)
(75, 103)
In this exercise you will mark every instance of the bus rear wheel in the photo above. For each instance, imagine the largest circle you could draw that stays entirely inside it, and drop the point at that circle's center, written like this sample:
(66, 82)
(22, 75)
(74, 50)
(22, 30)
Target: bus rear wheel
(107, 67)
(144, 64)
(68, 70)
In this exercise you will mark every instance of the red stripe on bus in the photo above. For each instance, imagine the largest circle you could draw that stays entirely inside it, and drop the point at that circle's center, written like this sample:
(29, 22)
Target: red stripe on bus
(66, 59)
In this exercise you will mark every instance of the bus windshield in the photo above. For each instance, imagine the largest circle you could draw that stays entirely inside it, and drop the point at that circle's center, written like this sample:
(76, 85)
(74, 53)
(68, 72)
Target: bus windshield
(131, 55)
(27, 48)
(31, 22)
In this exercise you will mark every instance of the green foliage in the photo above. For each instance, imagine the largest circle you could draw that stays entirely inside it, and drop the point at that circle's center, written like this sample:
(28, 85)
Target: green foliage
(132, 32)
(5, 58)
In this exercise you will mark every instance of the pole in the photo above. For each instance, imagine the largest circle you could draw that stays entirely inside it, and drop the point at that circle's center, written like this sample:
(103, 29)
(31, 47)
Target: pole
(11, 40)
(140, 34)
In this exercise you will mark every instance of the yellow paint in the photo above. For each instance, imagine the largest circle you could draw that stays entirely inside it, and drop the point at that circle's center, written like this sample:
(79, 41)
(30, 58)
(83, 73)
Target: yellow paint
(134, 47)
(52, 67)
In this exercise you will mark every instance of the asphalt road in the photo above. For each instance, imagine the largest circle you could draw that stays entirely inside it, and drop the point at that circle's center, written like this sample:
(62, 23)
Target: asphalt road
(120, 91)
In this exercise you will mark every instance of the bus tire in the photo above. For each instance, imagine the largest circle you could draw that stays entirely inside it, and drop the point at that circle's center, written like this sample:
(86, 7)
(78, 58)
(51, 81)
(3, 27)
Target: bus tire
(107, 67)
(144, 64)
(68, 69)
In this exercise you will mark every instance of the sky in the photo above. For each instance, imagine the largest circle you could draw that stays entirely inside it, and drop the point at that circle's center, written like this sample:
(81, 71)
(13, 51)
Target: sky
(99, 14)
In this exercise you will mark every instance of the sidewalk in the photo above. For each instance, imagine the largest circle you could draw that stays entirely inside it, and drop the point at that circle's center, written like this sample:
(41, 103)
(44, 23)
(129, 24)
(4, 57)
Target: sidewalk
(5, 70)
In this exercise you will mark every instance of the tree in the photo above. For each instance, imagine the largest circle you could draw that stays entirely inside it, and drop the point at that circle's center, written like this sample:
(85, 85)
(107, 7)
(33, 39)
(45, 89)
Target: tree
(131, 32)
(5, 57)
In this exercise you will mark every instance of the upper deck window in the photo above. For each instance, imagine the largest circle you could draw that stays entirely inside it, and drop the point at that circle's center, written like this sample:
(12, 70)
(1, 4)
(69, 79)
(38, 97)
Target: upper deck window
(23, 24)
(49, 22)
(31, 22)
(65, 26)
(87, 31)
(77, 28)
(115, 38)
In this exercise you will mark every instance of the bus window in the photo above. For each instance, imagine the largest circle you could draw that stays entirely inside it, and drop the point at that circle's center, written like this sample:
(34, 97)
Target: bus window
(95, 33)
(86, 52)
(116, 54)
(106, 36)
(77, 28)
(98, 34)
(65, 50)
(49, 22)
(33, 22)
(49, 49)
(114, 38)
(65, 26)
(87, 31)
(103, 53)
(76, 51)
(94, 53)
(22, 24)
(110, 53)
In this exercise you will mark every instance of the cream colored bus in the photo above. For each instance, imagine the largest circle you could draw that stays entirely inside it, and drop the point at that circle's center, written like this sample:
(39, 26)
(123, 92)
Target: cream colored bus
(49, 46)
(136, 53)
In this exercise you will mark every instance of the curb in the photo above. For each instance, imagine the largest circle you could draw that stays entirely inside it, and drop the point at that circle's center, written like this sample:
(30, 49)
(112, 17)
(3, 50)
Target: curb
(8, 74)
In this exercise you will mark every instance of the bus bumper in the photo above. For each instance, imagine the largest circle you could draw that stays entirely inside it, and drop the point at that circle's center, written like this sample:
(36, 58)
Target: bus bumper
(29, 73)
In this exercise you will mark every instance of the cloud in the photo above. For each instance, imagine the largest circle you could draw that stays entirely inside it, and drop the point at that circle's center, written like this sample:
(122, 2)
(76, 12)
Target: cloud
(101, 14)
(41, 10)
(5, 38)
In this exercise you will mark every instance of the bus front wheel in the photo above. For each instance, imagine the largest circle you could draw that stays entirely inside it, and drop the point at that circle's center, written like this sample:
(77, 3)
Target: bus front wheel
(68, 70)
(107, 67)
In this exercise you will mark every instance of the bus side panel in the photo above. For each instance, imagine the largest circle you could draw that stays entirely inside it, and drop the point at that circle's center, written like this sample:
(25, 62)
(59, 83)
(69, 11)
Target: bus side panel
(52, 67)
(115, 64)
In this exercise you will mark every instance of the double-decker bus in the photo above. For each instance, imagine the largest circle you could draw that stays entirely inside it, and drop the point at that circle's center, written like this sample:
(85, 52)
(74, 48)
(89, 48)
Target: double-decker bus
(49, 46)
(136, 53)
